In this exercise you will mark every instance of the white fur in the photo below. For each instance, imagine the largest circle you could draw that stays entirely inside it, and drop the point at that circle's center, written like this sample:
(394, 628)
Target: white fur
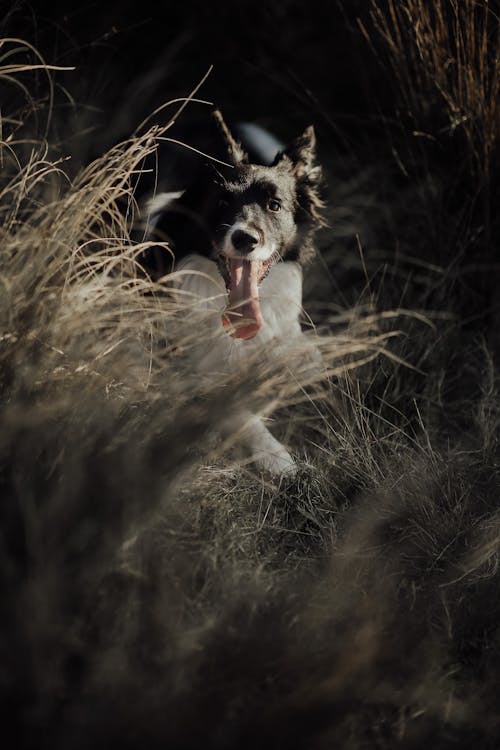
(281, 302)
(160, 201)
(156, 205)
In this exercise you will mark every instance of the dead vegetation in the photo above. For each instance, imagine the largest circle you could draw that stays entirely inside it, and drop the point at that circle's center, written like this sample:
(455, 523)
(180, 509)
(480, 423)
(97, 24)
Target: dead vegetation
(157, 593)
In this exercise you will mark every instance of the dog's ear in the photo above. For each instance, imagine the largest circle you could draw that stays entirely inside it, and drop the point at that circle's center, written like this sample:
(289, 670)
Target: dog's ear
(301, 153)
(234, 149)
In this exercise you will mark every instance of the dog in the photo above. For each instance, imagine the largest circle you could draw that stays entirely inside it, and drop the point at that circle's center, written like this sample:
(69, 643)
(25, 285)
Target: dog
(241, 233)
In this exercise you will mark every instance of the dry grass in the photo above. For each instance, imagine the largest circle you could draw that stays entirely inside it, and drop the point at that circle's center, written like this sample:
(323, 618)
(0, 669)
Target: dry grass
(448, 48)
(355, 605)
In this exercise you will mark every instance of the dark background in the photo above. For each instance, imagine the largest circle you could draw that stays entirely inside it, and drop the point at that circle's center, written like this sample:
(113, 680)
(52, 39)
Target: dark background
(286, 64)
(400, 183)
(406, 492)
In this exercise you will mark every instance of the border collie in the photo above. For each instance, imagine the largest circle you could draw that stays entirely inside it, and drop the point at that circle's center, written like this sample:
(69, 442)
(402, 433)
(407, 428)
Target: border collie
(241, 234)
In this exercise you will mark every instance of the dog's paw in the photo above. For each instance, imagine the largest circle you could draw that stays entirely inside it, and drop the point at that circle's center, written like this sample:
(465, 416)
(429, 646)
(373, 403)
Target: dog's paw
(274, 458)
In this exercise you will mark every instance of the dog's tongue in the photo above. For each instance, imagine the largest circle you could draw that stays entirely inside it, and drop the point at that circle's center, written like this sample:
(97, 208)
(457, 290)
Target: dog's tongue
(243, 316)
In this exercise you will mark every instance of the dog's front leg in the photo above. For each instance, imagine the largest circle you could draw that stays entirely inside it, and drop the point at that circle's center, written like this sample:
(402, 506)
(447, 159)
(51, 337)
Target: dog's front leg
(265, 451)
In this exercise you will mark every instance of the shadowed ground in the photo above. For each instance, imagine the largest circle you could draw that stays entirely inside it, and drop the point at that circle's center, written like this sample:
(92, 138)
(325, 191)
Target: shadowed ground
(156, 592)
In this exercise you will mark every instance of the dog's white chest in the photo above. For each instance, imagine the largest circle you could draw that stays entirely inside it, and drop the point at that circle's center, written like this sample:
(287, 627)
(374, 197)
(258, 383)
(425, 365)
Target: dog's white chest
(201, 285)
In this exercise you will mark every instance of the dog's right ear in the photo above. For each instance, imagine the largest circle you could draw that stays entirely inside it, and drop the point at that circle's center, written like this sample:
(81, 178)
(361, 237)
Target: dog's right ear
(234, 149)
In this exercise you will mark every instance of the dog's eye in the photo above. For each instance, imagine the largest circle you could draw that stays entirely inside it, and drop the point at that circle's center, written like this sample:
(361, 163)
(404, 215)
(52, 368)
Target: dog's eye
(274, 205)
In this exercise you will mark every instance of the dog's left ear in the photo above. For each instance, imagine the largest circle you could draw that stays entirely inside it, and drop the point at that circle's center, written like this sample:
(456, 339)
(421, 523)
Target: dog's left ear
(302, 155)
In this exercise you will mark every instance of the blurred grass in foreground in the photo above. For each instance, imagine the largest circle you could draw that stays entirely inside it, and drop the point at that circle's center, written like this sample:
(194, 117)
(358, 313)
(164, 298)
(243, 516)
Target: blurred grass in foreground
(157, 593)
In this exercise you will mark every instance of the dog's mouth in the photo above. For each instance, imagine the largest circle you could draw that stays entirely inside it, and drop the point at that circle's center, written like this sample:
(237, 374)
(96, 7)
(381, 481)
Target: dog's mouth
(242, 318)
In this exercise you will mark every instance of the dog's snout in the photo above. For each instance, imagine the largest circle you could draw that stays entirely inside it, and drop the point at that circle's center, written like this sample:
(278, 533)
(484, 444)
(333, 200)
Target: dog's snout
(244, 242)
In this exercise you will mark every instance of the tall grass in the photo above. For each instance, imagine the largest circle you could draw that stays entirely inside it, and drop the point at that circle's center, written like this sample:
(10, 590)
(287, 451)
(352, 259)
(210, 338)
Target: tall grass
(441, 64)
(158, 591)
(447, 49)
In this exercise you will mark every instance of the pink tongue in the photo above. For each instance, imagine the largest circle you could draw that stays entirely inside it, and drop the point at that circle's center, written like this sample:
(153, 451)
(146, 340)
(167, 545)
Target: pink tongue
(243, 315)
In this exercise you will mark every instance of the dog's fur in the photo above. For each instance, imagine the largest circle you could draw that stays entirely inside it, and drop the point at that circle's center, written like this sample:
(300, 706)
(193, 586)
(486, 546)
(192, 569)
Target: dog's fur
(242, 235)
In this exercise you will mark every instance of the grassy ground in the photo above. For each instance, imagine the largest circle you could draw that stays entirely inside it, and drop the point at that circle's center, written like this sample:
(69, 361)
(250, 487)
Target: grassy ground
(157, 592)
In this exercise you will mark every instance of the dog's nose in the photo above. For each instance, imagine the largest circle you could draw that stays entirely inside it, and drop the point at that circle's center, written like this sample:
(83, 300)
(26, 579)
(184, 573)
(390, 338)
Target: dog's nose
(243, 241)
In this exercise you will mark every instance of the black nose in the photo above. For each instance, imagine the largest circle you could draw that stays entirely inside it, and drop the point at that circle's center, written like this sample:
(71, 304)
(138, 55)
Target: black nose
(243, 242)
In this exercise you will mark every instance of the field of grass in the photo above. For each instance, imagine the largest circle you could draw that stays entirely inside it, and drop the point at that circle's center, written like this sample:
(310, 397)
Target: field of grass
(156, 590)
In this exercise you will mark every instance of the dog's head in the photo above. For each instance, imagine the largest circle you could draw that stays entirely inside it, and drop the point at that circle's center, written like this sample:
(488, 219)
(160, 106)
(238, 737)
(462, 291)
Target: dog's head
(264, 214)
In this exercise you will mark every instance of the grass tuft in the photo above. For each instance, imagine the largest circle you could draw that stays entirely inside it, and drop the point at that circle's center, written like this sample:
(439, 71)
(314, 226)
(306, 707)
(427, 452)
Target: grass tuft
(158, 591)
